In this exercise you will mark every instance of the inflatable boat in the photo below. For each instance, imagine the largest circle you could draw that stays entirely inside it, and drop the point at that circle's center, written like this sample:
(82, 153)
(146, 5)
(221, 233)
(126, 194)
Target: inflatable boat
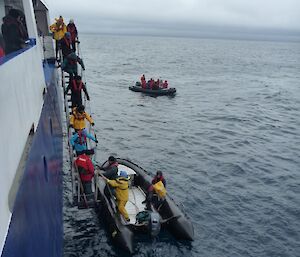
(166, 215)
(154, 92)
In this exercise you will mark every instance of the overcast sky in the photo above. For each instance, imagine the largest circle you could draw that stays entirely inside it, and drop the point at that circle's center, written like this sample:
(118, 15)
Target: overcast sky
(181, 16)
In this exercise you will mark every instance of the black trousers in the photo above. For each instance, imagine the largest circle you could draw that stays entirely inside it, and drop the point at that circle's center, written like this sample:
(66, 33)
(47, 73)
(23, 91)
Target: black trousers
(87, 187)
(74, 47)
(57, 47)
(76, 100)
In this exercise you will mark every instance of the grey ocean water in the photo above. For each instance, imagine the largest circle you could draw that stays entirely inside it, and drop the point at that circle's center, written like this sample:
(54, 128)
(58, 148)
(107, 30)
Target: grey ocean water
(228, 142)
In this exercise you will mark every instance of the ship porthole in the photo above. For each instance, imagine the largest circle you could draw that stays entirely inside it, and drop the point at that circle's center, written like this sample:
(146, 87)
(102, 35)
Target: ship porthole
(45, 168)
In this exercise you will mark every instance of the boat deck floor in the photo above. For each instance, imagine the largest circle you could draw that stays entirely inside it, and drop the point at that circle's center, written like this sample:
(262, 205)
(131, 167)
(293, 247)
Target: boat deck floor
(134, 204)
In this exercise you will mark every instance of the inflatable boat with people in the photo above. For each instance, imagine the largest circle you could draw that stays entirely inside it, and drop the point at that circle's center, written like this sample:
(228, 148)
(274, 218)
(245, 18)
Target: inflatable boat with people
(143, 217)
(153, 92)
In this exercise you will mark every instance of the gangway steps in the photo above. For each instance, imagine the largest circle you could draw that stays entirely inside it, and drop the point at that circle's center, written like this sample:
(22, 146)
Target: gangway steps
(81, 200)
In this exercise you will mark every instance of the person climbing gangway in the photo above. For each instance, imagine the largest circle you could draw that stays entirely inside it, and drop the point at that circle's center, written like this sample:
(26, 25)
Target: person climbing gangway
(78, 117)
(76, 86)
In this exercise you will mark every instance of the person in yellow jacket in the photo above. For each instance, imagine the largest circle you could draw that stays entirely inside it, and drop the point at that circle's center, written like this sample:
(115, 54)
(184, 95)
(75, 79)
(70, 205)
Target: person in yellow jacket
(121, 186)
(58, 28)
(77, 119)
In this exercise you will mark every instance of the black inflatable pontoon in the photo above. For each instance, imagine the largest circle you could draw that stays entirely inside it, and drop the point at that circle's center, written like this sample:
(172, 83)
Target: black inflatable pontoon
(167, 215)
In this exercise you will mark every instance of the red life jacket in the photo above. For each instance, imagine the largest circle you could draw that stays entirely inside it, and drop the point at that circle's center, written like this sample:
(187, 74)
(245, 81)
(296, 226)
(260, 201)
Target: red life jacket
(144, 85)
(85, 167)
(76, 87)
(79, 140)
(72, 29)
(151, 84)
(157, 179)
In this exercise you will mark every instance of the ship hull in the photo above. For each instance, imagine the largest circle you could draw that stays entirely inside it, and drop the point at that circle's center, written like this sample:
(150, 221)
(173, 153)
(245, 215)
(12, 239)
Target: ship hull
(36, 227)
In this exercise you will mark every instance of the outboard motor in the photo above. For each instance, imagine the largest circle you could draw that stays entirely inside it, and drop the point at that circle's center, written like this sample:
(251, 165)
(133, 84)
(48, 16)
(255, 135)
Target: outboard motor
(154, 224)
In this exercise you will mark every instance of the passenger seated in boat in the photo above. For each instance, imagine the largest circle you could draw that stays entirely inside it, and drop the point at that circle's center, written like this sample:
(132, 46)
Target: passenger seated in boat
(151, 83)
(158, 83)
(77, 119)
(161, 83)
(65, 45)
(111, 170)
(165, 84)
(143, 82)
(76, 86)
(69, 64)
(159, 177)
(156, 191)
(79, 143)
(155, 85)
(122, 192)
(85, 169)
(143, 78)
(144, 85)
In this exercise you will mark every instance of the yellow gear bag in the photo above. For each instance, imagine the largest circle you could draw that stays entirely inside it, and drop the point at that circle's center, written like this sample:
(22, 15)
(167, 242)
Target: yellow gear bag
(160, 189)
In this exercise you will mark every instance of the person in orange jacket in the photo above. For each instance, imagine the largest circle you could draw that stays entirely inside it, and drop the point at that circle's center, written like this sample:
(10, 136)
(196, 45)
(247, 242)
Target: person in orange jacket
(78, 117)
(122, 192)
(151, 190)
(58, 28)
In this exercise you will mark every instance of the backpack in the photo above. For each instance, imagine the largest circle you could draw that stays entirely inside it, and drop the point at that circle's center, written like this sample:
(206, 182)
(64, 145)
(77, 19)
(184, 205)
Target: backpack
(142, 216)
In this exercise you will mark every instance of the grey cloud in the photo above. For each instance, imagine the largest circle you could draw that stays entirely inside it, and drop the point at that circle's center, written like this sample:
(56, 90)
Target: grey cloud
(183, 15)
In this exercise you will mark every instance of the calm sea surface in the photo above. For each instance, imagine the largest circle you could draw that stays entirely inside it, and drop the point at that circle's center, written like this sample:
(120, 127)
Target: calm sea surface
(228, 142)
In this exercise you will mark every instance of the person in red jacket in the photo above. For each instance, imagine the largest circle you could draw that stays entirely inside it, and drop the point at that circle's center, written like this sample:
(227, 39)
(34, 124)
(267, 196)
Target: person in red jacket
(165, 84)
(150, 191)
(159, 177)
(151, 83)
(76, 86)
(143, 81)
(111, 168)
(74, 34)
(86, 171)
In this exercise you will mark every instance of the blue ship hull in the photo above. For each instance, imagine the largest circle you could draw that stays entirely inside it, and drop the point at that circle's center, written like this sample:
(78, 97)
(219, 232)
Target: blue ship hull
(36, 227)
